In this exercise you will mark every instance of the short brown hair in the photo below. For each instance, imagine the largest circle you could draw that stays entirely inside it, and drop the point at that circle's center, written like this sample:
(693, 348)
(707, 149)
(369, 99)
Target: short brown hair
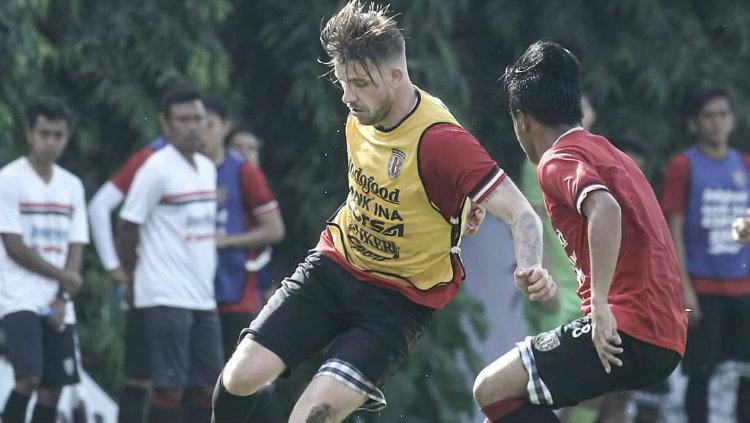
(362, 33)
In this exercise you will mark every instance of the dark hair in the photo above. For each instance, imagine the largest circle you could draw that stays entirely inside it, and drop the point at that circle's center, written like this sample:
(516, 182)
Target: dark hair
(697, 100)
(240, 130)
(361, 34)
(216, 104)
(177, 94)
(626, 144)
(544, 83)
(51, 108)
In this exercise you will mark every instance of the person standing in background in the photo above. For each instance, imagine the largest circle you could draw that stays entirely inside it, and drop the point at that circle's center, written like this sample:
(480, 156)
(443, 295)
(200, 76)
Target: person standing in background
(705, 189)
(169, 218)
(43, 229)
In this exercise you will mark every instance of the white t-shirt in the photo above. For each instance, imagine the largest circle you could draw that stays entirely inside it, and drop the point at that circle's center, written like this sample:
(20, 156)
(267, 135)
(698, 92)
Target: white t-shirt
(50, 216)
(175, 205)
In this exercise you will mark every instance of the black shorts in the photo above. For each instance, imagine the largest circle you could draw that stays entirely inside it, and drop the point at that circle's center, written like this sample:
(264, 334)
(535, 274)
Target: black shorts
(185, 347)
(136, 345)
(564, 369)
(231, 327)
(370, 330)
(721, 334)
(37, 351)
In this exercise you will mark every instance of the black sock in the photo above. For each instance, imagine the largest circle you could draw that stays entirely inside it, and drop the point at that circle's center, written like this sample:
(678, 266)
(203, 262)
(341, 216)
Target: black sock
(44, 414)
(529, 413)
(743, 401)
(15, 407)
(696, 400)
(132, 405)
(228, 408)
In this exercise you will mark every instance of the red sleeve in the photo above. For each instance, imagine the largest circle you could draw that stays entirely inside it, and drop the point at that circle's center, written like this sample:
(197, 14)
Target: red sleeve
(676, 183)
(125, 174)
(453, 166)
(566, 177)
(746, 157)
(256, 196)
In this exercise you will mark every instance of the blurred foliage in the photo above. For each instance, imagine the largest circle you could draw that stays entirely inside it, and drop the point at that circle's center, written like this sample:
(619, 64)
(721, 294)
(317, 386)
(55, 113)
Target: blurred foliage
(110, 60)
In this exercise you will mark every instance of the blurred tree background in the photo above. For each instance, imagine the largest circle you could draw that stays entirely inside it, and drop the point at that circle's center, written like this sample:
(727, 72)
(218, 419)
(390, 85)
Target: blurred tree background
(111, 60)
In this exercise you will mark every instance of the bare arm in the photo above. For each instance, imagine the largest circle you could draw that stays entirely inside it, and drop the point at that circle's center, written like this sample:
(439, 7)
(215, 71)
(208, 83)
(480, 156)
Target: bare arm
(33, 262)
(270, 230)
(128, 239)
(507, 203)
(676, 224)
(604, 235)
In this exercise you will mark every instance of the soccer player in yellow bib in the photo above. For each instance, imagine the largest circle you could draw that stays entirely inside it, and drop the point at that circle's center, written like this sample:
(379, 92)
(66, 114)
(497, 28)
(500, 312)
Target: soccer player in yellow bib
(390, 256)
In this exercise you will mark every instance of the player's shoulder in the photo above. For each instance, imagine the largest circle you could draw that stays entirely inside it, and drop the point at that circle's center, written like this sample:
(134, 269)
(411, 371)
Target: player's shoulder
(15, 168)
(68, 177)
(447, 134)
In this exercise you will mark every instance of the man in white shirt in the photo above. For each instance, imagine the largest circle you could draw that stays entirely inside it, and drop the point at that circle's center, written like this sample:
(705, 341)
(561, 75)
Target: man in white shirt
(169, 216)
(43, 229)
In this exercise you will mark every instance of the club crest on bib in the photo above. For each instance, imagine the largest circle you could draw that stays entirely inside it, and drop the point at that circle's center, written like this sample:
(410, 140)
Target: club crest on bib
(395, 163)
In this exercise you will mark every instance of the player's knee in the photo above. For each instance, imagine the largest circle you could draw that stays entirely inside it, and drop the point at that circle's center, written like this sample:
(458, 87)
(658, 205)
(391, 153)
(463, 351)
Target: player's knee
(321, 413)
(250, 367)
(483, 392)
(238, 380)
(28, 385)
(491, 386)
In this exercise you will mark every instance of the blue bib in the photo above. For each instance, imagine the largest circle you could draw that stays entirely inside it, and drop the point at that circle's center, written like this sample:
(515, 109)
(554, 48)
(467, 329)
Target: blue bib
(719, 193)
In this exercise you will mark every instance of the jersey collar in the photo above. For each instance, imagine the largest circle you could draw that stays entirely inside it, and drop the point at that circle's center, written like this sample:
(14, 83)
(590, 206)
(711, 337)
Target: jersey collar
(571, 130)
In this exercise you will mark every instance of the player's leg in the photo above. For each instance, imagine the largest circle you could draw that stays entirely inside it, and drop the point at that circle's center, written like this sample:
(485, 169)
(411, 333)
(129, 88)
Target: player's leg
(300, 318)
(562, 369)
(60, 369)
(206, 360)
(168, 331)
(382, 326)
(24, 342)
(500, 390)
(134, 397)
(741, 308)
(702, 354)
(326, 400)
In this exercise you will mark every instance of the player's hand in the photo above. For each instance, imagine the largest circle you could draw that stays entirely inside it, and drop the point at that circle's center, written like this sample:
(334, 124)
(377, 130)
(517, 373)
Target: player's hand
(536, 282)
(475, 219)
(71, 282)
(741, 229)
(692, 306)
(56, 319)
(605, 337)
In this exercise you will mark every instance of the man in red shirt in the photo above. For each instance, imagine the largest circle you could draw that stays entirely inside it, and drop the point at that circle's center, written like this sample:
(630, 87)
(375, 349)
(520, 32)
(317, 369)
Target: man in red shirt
(610, 224)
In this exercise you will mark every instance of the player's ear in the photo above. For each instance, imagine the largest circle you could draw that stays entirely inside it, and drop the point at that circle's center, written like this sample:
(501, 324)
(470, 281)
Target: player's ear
(397, 75)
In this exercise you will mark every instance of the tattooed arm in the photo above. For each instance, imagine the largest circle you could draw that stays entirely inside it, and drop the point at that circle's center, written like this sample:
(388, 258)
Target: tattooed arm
(507, 203)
